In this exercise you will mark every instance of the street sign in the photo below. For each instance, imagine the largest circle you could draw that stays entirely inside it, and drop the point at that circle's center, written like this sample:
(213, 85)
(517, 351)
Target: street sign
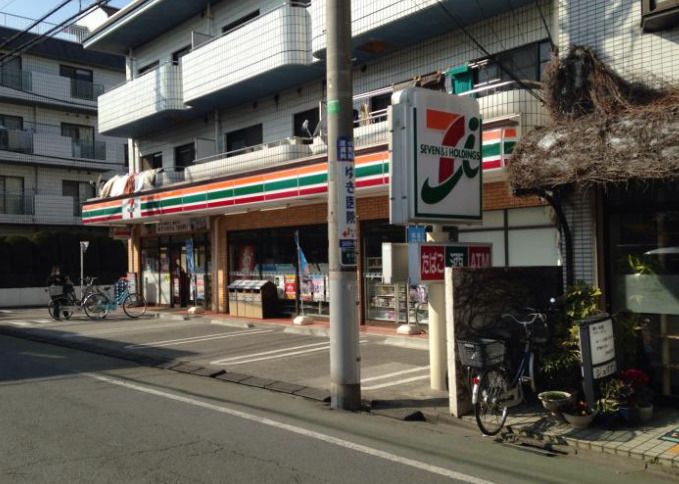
(84, 244)
(432, 258)
(435, 173)
(598, 352)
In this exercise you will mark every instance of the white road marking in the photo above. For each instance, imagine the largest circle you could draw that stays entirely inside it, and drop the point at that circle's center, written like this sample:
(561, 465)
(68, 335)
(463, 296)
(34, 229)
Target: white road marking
(146, 327)
(42, 321)
(263, 353)
(295, 429)
(398, 382)
(395, 373)
(22, 324)
(198, 339)
(273, 354)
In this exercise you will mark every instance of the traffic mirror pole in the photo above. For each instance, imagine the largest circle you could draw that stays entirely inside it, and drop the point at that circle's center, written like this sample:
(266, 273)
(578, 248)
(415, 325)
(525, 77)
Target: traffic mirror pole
(345, 383)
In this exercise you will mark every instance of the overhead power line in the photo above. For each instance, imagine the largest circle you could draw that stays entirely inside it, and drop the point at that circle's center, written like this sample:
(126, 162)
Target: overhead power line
(544, 22)
(478, 44)
(34, 24)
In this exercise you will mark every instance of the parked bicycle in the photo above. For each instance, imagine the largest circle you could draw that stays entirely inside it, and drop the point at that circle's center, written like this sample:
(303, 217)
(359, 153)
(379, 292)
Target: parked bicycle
(493, 391)
(133, 304)
(67, 303)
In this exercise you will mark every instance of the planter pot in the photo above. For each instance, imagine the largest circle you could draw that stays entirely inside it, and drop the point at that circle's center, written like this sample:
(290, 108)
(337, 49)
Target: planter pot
(554, 401)
(629, 415)
(645, 413)
(579, 421)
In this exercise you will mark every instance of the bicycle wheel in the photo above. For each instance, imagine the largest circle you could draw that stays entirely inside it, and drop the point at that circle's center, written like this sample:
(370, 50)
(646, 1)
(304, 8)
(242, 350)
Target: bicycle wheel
(134, 305)
(96, 306)
(51, 306)
(491, 408)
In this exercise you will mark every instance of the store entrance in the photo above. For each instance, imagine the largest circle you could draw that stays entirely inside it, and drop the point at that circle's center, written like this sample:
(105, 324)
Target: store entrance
(180, 277)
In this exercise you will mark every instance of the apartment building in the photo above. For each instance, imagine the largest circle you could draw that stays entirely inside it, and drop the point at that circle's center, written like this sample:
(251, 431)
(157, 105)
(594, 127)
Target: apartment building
(224, 105)
(51, 154)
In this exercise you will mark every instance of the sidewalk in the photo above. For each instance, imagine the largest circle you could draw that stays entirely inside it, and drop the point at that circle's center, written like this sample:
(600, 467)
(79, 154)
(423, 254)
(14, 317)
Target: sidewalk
(279, 356)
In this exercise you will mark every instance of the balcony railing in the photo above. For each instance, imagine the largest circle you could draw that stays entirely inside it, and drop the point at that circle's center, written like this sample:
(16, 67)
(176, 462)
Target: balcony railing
(46, 140)
(12, 203)
(73, 33)
(142, 104)
(50, 86)
(266, 54)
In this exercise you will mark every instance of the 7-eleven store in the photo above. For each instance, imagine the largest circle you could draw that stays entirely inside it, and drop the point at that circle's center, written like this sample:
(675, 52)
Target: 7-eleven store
(242, 227)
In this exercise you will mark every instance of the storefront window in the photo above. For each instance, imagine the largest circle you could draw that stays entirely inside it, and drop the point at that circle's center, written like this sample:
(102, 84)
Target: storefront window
(643, 235)
(271, 254)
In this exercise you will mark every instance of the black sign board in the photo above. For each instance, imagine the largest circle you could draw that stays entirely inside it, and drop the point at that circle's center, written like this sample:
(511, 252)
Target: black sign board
(600, 359)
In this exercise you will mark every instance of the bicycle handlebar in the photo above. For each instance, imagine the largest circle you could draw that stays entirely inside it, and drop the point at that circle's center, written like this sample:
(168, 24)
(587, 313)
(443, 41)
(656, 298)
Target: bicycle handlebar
(535, 317)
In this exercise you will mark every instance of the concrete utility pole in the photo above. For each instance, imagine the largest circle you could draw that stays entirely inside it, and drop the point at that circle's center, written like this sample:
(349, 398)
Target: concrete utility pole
(345, 382)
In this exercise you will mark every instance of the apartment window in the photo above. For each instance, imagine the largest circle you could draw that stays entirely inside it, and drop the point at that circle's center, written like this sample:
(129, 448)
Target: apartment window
(177, 56)
(527, 63)
(82, 86)
(147, 68)
(659, 14)
(82, 139)
(12, 195)
(312, 117)
(79, 191)
(152, 161)
(11, 74)
(237, 23)
(184, 155)
(244, 138)
(126, 156)
(11, 122)
(378, 107)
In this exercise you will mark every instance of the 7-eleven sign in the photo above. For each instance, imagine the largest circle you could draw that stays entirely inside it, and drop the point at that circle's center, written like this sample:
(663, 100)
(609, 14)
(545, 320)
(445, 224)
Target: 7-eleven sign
(436, 174)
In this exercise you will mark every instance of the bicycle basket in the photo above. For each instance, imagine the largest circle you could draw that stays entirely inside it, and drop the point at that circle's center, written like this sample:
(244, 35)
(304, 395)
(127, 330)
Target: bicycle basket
(540, 332)
(55, 290)
(481, 353)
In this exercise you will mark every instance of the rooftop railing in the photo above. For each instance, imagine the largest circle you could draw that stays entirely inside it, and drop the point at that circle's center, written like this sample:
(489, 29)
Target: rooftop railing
(73, 33)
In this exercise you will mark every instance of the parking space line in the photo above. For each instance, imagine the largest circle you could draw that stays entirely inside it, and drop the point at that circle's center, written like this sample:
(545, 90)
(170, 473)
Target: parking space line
(198, 339)
(398, 382)
(145, 327)
(395, 373)
(274, 354)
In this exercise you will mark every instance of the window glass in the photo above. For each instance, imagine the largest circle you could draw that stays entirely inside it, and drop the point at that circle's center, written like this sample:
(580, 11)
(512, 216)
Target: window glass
(310, 115)
(11, 122)
(12, 195)
(243, 138)
(237, 23)
(184, 155)
(152, 161)
(147, 68)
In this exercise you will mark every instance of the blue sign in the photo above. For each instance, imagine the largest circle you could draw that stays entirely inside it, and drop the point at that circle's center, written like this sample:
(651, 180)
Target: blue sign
(190, 267)
(345, 149)
(416, 233)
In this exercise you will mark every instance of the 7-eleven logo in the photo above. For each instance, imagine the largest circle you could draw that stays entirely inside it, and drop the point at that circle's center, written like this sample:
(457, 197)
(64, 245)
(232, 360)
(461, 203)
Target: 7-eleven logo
(456, 144)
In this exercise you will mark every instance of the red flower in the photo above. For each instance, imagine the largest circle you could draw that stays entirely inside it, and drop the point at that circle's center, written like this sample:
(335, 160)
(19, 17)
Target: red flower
(635, 378)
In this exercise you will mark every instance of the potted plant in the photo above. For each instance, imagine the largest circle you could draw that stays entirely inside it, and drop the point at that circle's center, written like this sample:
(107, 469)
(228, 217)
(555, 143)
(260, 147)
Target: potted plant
(642, 395)
(579, 415)
(613, 405)
(555, 401)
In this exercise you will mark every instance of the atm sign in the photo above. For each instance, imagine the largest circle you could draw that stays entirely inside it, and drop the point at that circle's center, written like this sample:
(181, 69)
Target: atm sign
(435, 258)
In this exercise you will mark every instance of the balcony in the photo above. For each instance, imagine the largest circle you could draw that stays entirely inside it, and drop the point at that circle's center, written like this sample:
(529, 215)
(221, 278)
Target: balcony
(380, 27)
(29, 207)
(267, 54)
(43, 144)
(142, 105)
(50, 88)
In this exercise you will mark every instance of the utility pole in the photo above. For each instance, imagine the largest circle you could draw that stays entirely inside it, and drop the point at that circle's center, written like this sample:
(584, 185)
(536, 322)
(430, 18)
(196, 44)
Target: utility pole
(345, 381)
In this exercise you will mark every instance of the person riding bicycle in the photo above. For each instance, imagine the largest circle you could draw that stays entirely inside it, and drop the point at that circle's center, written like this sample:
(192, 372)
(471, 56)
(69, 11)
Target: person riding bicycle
(56, 278)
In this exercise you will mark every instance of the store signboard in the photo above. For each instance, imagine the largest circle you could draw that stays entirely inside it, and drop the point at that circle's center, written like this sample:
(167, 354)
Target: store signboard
(198, 224)
(435, 173)
(432, 258)
(120, 233)
(600, 358)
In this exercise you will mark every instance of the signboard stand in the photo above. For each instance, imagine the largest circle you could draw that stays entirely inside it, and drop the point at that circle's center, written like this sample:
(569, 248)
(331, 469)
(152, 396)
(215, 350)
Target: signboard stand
(600, 358)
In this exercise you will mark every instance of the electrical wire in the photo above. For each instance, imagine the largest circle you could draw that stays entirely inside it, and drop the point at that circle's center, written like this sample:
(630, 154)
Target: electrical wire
(544, 22)
(37, 22)
(478, 44)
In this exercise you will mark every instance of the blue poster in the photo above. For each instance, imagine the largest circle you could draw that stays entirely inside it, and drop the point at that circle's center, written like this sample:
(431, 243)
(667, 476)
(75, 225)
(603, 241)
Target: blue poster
(190, 267)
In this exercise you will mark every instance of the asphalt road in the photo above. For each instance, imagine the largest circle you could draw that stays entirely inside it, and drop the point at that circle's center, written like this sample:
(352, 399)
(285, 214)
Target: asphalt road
(70, 416)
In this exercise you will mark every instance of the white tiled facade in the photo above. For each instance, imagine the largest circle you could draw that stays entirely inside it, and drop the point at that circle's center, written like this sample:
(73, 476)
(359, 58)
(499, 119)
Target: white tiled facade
(38, 157)
(613, 29)
(275, 111)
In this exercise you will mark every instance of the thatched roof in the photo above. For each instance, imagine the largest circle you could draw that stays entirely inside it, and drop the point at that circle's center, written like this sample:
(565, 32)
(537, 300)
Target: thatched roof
(604, 129)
